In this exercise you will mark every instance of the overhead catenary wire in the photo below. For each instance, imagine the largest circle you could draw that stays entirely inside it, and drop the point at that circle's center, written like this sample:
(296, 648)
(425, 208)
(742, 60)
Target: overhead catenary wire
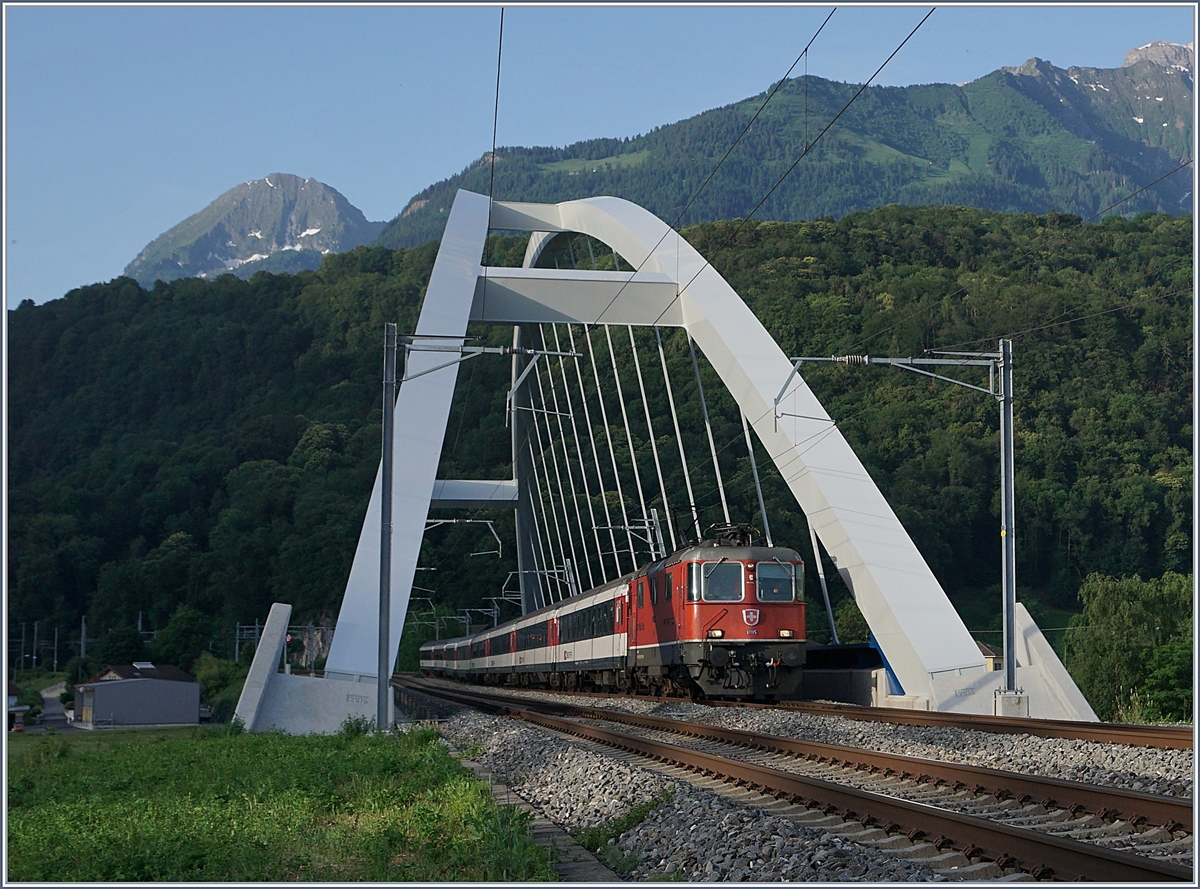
(803, 154)
(799, 449)
(720, 163)
(1062, 234)
(492, 156)
(496, 109)
(1060, 321)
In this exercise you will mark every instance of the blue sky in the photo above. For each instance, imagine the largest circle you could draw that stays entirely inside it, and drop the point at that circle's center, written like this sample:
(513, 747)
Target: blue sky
(122, 121)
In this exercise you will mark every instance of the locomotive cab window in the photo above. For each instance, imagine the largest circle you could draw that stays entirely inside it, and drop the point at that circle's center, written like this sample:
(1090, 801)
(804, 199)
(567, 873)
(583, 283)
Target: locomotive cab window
(776, 582)
(722, 582)
(653, 590)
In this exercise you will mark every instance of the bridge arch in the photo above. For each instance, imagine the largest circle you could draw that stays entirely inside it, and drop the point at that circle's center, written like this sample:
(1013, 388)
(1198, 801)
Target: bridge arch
(926, 645)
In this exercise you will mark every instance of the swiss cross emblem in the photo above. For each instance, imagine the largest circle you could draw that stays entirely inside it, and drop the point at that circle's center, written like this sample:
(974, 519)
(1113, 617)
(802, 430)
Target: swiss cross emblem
(750, 616)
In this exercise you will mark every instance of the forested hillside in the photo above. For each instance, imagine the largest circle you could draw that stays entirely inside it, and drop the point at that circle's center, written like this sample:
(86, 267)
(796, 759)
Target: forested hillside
(1033, 138)
(213, 443)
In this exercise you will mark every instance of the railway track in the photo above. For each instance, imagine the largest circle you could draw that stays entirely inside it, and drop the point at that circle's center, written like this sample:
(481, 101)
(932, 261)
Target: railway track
(1045, 826)
(1169, 737)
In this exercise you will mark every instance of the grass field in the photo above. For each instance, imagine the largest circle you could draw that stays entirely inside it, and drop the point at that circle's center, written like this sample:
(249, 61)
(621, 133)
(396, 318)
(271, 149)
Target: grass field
(209, 804)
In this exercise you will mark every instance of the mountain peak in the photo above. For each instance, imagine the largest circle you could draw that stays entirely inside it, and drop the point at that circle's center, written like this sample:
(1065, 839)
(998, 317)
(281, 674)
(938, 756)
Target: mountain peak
(1031, 68)
(279, 222)
(1161, 52)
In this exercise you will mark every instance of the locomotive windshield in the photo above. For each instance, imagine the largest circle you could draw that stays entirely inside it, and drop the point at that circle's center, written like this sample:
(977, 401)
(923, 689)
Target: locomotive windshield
(776, 582)
(723, 582)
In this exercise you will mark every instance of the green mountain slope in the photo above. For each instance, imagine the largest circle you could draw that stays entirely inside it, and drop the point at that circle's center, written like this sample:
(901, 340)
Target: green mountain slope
(1031, 139)
(278, 223)
(214, 443)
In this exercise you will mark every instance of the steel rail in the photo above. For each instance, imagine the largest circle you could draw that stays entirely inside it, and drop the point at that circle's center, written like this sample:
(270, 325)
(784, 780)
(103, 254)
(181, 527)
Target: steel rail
(1169, 737)
(1035, 852)
(1134, 805)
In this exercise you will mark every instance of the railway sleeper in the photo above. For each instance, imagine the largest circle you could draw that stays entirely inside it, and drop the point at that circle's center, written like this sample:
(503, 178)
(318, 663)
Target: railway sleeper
(1116, 829)
(1142, 842)
(1020, 820)
(982, 870)
(1172, 849)
(1077, 823)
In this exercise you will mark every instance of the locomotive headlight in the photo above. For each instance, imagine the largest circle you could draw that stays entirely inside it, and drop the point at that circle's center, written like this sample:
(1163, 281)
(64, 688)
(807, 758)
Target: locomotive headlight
(786, 634)
(716, 634)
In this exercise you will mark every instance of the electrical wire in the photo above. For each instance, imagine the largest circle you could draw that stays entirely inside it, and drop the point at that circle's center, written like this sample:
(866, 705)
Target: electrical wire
(1058, 323)
(704, 184)
(1016, 259)
(496, 111)
(795, 163)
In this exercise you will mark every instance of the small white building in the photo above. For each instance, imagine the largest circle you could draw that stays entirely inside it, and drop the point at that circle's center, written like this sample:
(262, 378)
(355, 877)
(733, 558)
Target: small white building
(16, 712)
(138, 694)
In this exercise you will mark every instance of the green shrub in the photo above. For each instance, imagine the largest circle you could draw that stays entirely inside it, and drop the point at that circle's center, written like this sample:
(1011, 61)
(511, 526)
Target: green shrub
(356, 726)
(1130, 648)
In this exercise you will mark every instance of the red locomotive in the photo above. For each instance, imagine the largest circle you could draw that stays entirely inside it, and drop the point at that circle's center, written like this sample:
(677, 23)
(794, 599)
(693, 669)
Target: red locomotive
(720, 618)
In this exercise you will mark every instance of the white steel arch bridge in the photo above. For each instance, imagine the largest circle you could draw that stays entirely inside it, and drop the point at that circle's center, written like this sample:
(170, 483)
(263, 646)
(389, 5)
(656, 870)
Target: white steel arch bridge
(933, 659)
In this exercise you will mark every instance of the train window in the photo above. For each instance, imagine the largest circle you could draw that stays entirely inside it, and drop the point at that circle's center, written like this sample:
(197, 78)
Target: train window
(641, 593)
(532, 636)
(667, 585)
(653, 590)
(776, 582)
(723, 581)
(693, 591)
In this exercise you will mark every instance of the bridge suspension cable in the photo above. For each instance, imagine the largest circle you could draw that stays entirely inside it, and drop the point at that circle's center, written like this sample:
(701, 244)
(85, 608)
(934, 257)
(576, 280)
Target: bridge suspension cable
(583, 475)
(662, 485)
(587, 415)
(687, 476)
(612, 452)
(562, 441)
(712, 446)
(637, 476)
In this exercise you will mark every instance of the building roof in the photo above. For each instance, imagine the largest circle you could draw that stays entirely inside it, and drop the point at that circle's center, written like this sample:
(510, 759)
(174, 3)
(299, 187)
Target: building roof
(13, 688)
(989, 650)
(142, 670)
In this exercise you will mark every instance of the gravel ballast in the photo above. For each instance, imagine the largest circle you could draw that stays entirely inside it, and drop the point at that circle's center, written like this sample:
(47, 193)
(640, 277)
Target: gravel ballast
(695, 835)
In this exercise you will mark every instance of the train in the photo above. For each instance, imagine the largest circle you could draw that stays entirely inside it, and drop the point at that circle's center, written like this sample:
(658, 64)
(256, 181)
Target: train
(718, 618)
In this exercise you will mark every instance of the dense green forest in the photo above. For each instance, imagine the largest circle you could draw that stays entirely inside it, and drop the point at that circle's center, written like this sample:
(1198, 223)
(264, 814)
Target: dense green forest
(1032, 139)
(210, 445)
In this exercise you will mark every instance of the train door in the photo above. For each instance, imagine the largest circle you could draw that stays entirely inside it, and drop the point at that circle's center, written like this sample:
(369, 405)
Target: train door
(664, 617)
(637, 616)
(621, 623)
